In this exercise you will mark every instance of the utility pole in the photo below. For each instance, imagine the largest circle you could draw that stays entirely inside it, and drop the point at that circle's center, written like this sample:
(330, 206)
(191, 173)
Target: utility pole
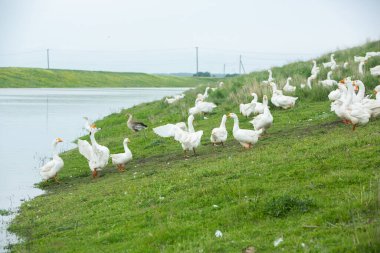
(47, 55)
(224, 69)
(240, 65)
(196, 53)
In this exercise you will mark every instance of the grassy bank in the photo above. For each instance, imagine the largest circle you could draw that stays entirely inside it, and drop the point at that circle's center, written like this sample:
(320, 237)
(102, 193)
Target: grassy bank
(43, 78)
(311, 180)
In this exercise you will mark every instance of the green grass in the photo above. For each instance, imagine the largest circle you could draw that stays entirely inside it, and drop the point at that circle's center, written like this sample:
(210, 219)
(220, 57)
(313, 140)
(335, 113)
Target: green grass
(310, 180)
(43, 78)
(4, 212)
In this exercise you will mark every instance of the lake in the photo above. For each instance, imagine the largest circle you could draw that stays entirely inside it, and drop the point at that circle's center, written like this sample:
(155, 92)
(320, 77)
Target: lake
(31, 118)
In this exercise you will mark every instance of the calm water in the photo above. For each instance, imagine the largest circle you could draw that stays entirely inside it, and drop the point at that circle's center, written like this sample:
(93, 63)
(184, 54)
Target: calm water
(31, 118)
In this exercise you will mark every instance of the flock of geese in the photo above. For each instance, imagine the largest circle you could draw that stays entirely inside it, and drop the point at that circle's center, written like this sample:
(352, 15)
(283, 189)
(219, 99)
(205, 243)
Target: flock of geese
(348, 101)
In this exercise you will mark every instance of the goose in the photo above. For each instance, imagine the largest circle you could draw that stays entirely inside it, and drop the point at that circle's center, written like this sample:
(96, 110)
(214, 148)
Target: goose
(270, 78)
(96, 154)
(289, 88)
(168, 129)
(170, 100)
(122, 158)
(51, 168)
(202, 107)
(204, 95)
(179, 96)
(335, 95)
(174, 98)
(189, 140)
(87, 124)
(360, 58)
(354, 113)
(245, 137)
(375, 71)
(280, 100)
(377, 92)
(328, 82)
(330, 63)
(219, 134)
(220, 84)
(134, 125)
(361, 66)
(371, 54)
(345, 65)
(247, 109)
(371, 104)
(263, 121)
(315, 70)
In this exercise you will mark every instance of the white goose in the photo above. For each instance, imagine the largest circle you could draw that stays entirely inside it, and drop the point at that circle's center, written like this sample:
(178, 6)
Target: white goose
(265, 120)
(280, 100)
(201, 107)
(355, 113)
(51, 168)
(289, 88)
(189, 140)
(315, 70)
(96, 155)
(335, 95)
(331, 63)
(204, 95)
(87, 124)
(375, 71)
(345, 65)
(270, 78)
(371, 54)
(371, 104)
(254, 106)
(361, 67)
(328, 82)
(244, 136)
(122, 158)
(175, 98)
(168, 129)
(360, 58)
(219, 134)
(377, 92)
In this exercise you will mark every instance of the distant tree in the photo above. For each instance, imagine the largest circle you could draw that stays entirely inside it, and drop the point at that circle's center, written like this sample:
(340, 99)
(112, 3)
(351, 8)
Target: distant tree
(202, 74)
(231, 75)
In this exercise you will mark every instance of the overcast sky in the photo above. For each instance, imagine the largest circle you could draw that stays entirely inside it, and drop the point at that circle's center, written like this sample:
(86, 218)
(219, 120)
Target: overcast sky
(159, 36)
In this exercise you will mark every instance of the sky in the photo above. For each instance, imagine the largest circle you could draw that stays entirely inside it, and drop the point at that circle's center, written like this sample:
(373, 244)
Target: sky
(161, 36)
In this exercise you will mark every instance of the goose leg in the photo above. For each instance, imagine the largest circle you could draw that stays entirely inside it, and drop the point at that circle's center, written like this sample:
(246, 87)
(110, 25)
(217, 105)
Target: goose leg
(353, 127)
(56, 179)
(194, 151)
(94, 173)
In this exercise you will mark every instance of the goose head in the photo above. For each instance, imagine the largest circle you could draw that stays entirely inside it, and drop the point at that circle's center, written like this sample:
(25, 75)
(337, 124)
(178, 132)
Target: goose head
(232, 115)
(58, 140)
(126, 141)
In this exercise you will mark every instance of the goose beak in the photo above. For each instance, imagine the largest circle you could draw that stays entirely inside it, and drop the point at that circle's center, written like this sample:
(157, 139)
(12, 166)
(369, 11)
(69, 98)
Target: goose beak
(341, 81)
(375, 92)
(356, 88)
(93, 126)
(59, 140)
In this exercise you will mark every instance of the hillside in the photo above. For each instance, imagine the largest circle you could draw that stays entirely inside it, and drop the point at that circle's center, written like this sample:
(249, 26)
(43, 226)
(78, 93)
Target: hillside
(310, 179)
(43, 78)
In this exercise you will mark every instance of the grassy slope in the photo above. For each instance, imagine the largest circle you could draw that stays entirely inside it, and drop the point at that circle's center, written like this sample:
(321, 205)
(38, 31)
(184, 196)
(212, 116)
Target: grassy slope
(311, 180)
(42, 78)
